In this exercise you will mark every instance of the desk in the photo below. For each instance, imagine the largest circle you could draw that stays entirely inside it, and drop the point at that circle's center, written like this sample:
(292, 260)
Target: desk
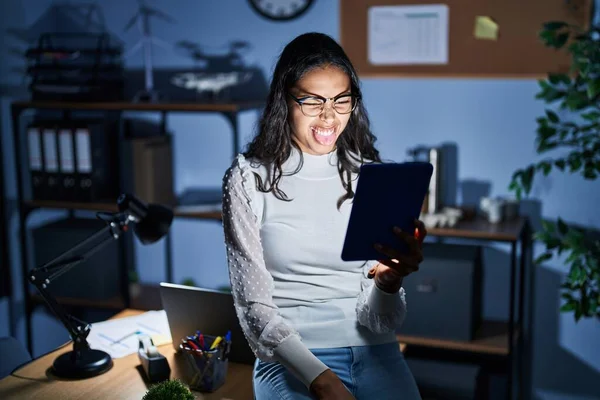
(123, 381)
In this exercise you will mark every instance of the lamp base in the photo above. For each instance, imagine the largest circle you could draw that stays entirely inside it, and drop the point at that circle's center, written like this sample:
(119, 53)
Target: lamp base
(89, 363)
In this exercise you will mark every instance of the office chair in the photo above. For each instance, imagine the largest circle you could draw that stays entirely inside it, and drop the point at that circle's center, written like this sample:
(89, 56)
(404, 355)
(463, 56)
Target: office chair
(12, 354)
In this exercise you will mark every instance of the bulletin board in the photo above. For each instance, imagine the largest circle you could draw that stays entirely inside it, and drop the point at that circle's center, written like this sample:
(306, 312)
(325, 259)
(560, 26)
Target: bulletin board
(515, 52)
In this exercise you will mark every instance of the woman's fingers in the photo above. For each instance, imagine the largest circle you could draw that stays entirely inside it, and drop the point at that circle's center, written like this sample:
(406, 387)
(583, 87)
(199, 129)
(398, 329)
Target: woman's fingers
(415, 255)
(402, 268)
(402, 263)
(412, 242)
(420, 231)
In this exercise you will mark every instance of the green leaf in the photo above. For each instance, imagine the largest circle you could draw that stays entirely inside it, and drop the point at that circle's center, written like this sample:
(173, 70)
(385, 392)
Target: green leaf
(575, 163)
(560, 164)
(589, 172)
(546, 167)
(544, 127)
(577, 100)
(544, 257)
(547, 37)
(554, 25)
(527, 178)
(577, 274)
(562, 227)
(568, 306)
(567, 296)
(593, 89)
(556, 79)
(548, 226)
(591, 116)
(592, 306)
(553, 243)
(552, 116)
(578, 312)
(560, 40)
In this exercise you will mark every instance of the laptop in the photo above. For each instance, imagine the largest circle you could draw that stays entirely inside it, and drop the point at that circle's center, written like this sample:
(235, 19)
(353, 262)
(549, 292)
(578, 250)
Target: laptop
(190, 309)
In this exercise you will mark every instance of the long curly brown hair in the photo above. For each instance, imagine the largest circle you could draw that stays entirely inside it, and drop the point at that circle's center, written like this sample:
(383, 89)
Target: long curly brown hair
(273, 142)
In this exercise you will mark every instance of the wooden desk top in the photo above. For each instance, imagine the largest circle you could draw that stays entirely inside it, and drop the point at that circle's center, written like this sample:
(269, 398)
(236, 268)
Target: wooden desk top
(123, 381)
(477, 228)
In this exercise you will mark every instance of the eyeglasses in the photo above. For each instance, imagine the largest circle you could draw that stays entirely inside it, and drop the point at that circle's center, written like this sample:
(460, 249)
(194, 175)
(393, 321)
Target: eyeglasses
(312, 106)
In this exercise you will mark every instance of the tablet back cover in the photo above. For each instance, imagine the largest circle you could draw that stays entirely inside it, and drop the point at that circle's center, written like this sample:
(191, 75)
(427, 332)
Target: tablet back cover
(386, 195)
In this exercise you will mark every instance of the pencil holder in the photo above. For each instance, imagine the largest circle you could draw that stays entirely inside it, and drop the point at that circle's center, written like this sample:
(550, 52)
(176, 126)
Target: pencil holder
(206, 370)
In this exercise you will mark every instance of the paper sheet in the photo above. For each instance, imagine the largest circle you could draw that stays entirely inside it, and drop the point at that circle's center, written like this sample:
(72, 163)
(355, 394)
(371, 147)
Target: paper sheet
(485, 28)
(119, 337)
(408, 34)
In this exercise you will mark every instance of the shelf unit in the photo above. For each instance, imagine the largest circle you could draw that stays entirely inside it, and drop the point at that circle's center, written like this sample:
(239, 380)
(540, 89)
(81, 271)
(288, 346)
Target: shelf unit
(497, 344)
(147, 293)
(5, 275)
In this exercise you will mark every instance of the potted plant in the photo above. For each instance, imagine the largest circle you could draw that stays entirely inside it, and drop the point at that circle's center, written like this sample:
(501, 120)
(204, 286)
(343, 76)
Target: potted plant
(573, 143)
(188, 282)
(169, 390)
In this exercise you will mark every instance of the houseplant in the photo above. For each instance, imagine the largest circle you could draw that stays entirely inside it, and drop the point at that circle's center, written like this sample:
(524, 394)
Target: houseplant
(169, 390)
(571, 145)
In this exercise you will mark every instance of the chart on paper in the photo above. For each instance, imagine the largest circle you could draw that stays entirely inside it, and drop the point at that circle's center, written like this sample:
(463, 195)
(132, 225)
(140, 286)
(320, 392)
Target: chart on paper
(402, 35)
(119, 337)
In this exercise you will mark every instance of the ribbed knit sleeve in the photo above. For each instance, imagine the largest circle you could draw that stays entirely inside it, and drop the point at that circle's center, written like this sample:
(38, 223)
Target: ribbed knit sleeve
(270, 338)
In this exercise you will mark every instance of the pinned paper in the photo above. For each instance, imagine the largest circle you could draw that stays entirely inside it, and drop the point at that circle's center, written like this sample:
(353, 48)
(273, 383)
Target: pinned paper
(486, 28)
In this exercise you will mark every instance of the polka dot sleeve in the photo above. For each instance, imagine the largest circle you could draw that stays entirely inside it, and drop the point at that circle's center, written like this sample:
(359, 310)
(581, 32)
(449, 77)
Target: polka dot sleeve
(379, 311)
(270, 338)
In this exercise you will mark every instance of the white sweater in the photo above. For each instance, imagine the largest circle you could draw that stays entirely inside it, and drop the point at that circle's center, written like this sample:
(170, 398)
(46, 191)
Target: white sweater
(291, 289)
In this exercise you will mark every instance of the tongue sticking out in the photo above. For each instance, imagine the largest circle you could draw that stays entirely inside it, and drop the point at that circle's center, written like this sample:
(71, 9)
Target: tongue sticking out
(325, 137)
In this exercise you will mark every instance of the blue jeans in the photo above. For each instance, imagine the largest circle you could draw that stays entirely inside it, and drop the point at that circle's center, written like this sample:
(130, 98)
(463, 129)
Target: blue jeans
(369, 372)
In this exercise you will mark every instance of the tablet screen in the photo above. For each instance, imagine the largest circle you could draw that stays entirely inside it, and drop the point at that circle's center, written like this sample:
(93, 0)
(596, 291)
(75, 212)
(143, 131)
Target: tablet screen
(386, 195)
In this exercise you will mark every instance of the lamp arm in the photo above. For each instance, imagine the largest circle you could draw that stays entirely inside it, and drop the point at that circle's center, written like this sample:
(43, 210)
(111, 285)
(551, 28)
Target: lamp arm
(43, 276)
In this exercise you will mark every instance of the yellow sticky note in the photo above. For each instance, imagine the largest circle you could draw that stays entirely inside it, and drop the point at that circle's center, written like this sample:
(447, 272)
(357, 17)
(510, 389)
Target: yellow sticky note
(159, 339)
(486, 28)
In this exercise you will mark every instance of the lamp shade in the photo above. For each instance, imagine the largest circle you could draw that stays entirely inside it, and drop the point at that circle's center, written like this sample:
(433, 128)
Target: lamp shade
(152, 221)
(155, 225)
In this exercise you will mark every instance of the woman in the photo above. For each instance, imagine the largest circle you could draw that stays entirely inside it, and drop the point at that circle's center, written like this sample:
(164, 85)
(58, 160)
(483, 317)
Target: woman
(320, 327)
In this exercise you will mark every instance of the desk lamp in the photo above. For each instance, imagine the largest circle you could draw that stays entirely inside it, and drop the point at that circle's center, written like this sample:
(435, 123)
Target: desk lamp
(152, 222)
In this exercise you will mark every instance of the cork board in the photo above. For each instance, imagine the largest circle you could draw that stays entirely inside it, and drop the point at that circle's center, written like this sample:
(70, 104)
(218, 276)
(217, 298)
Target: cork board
(516, 51)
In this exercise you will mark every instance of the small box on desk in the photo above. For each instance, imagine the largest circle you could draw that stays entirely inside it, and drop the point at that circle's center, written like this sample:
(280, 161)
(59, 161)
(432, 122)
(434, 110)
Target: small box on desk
(444, 297)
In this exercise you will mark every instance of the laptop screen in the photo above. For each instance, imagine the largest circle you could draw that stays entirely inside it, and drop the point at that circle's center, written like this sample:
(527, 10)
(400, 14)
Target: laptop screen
(190, 309)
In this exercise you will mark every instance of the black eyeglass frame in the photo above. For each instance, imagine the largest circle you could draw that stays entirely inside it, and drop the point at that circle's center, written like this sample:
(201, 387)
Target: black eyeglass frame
(301, 100)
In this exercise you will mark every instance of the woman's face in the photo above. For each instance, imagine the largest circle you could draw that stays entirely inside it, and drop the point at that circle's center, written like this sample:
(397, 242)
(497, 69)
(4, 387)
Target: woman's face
(318, 134)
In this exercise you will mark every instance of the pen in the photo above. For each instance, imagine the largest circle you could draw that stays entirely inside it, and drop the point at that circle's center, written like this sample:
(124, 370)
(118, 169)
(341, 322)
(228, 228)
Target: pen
(190, 343)
(216, 342)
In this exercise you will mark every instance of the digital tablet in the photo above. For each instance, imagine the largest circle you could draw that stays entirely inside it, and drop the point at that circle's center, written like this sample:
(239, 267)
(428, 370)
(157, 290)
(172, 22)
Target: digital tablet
(386, 195)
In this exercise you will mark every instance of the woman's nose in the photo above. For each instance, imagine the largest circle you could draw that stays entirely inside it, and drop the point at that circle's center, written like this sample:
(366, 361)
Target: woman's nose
(328, 113)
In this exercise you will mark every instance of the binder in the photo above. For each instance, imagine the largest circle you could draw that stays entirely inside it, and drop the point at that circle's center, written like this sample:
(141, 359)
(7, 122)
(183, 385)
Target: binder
(83, 159)
(66, 157)
(50, 164)
(96, 161)
(36, 162)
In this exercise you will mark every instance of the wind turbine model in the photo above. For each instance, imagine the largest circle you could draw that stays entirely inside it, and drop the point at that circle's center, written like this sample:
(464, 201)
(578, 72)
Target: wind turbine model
(142, 19)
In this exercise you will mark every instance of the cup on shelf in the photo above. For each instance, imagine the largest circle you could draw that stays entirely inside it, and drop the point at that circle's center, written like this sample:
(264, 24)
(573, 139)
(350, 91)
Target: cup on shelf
(493, 208)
